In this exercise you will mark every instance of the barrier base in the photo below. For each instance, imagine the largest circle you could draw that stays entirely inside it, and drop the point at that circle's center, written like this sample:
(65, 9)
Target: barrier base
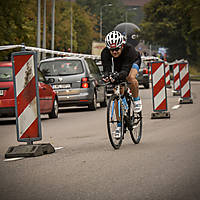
(32, 150)
(168, 86)
(185, 101)
(176, 93)
(160, 115)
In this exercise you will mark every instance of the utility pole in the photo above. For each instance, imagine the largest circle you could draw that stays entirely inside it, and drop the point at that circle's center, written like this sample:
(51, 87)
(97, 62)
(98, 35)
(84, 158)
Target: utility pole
(53, 26)
(38, 29)
(71, 25)
(44, 31)
(100, 36)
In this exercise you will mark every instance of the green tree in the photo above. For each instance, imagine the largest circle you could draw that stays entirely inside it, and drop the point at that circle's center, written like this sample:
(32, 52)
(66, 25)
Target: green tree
(173, 24)
(17, 23)
(83, 27)
(111, 16)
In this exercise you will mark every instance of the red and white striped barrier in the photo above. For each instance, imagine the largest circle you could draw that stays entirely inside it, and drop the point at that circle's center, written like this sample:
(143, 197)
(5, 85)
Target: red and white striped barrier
(26, 97)
(185, 83)
(27, 107)
(176, 82)
(149, 70)
(159, 90)
(167, 75)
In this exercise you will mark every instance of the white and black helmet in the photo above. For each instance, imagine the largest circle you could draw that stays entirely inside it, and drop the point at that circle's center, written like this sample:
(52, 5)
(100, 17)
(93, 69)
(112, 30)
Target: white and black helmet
(114, 39)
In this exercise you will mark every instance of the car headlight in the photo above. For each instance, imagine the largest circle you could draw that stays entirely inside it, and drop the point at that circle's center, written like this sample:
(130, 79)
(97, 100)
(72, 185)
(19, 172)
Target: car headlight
(55, 86)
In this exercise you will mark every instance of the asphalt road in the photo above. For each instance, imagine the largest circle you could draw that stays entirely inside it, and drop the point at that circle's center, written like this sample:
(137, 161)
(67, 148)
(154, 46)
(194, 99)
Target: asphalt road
(164, 166)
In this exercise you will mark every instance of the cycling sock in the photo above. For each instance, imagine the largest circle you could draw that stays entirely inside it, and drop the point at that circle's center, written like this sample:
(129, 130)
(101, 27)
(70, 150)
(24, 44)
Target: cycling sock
(136, 98)
(119, 124)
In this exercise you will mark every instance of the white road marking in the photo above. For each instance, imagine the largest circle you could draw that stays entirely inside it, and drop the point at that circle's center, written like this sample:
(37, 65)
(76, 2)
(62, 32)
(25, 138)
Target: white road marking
(13, 159)
(58, 148)
(175, 107)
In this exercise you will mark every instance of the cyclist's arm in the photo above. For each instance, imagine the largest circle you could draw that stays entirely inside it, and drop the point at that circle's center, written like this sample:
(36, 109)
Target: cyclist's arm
(106, 61)
(133, 57)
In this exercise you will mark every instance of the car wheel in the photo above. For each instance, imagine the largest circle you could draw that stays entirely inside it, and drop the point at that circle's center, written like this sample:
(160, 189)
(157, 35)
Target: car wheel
(104, 103)
(93, 105)
(146, 86)
(54, 112)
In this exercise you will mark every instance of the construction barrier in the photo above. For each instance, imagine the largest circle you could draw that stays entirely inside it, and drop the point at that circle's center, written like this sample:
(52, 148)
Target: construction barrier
(167, 75)
(185, 87)
(176, 80)
(159, 93)
(27, 106)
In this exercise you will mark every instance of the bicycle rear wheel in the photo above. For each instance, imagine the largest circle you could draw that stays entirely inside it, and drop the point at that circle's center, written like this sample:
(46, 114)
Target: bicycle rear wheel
(112, 115)
(136, 123)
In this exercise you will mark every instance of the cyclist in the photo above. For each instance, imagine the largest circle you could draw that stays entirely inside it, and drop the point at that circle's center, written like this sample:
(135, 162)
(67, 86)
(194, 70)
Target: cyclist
(126, 61)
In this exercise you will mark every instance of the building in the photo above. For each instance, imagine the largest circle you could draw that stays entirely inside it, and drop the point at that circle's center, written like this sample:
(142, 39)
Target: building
(136, 3)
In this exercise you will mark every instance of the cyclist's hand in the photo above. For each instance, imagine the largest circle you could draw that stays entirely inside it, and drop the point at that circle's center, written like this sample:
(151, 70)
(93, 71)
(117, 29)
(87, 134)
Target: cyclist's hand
(106, 79)
(115, 78)
(112, 80)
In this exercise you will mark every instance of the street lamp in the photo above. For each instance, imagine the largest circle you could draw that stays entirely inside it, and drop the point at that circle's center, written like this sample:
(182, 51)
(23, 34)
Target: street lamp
(101, 19)
(127, 16)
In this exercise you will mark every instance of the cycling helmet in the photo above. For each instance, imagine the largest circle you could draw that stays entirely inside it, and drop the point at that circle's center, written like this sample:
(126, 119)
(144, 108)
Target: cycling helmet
(114, 39)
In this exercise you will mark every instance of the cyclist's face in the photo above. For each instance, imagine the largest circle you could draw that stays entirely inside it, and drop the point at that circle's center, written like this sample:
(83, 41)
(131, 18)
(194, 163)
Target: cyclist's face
(116, 52)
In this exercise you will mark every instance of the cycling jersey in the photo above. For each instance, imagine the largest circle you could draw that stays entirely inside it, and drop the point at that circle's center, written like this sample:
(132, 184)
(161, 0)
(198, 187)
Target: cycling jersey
(123, 63)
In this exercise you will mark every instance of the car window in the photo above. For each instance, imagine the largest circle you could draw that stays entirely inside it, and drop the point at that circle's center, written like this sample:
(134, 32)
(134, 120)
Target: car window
(92, 66)
(40, 77)
(6, 74)
(61, 67)
(100, 68)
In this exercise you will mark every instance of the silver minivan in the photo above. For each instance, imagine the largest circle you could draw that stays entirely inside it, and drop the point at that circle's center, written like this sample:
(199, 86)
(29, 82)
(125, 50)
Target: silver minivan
(77, 81)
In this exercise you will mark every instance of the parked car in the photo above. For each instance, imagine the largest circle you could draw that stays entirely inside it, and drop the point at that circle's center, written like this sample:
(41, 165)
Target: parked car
(77, 81)
(48, 98)
(143, 75)
(109, 87)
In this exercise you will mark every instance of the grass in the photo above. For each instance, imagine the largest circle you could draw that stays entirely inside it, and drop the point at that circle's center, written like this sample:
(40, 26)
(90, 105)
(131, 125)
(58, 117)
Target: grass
(194, 73)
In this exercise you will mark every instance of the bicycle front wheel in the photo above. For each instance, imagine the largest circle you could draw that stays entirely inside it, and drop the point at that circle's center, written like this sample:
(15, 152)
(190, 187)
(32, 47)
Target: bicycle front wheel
(114, 116)
(136, 123)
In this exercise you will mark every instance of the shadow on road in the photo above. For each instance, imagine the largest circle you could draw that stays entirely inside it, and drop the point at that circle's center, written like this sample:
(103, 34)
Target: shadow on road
(7, 121)
(73, 109)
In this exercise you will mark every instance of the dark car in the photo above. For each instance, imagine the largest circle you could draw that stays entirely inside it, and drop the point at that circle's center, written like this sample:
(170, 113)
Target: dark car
(77, 81)
(109, 87)
(100, 66)
(48, 98)
(143, 75)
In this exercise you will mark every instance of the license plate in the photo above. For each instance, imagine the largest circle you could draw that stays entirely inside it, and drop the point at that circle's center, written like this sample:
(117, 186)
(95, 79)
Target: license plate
(1, 92)
(66, 86)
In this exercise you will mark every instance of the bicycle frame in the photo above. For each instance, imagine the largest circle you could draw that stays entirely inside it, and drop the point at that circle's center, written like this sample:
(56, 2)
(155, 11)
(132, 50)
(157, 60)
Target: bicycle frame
(121, 107)
(119, 111)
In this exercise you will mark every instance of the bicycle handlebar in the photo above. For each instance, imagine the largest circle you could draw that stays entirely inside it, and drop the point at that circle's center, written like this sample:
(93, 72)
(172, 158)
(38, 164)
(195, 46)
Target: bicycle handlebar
(113, 78)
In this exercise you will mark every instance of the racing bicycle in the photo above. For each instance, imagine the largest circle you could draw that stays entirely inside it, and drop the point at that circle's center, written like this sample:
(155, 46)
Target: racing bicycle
(120, 110)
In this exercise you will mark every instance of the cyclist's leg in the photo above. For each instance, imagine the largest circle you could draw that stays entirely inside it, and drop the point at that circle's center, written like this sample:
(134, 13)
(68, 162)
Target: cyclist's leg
(117, 110)
(134, 87)
(118, 114)
(133, 83)
(117, 105)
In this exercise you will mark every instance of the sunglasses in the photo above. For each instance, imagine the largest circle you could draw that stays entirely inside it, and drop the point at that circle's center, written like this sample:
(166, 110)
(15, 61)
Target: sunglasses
(116, 49)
